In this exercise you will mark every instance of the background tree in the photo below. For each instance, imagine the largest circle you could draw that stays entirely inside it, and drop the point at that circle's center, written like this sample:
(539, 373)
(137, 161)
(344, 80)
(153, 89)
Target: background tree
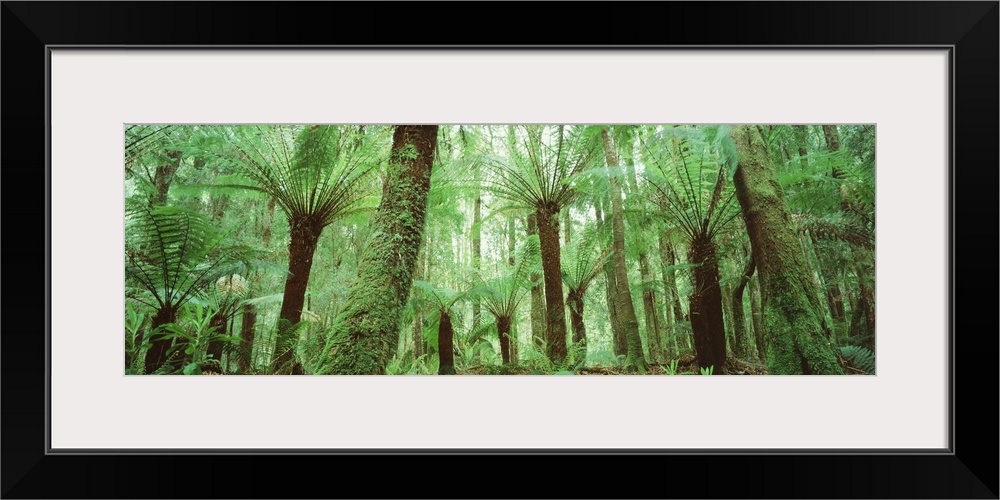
(366, 331)
(316, 180)
(538, 177)
(690, 175)
(796, 342)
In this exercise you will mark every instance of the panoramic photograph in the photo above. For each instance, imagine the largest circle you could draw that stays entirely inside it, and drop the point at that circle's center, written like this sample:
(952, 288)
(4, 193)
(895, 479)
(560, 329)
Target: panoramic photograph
(512, 249)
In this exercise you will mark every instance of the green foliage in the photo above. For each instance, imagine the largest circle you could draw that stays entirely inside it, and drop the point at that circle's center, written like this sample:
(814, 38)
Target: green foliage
(707, 371)
(173, 253)
(859, 357)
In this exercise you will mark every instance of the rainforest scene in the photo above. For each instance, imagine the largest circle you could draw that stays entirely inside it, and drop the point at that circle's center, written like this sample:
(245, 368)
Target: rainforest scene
(519, 249)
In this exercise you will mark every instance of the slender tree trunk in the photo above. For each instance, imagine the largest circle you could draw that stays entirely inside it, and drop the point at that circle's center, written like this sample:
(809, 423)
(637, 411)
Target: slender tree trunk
(611, 294)
(537, 296)
(157, 353)
(555, 313)
(706, 306)
(624, 307)
(219, 321)
(477, 253)
(739, 317)
(503, 331)
(511, 262)
(367, 329)
(863, 259)
(796, 342)
(417, 330)
(574, 299)
(247, 328)
(649, 309)
(305, 232)
(446, 348)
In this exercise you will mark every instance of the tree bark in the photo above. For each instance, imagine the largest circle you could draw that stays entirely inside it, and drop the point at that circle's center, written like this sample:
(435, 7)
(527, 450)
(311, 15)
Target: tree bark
(511, 262)
(574, 299)
(537, 296)
(626, 310)
(367, 329)
(446, 347)
(247, 326)
(741, 346)
(706, 307)
(796, 342)
(755, 320)
(503, 332)
(611, 294)
(304, 236)
(555, 312)
(649, 309)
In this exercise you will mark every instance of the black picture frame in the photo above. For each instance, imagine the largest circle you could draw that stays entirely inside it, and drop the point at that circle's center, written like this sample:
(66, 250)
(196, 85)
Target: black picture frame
(967, 470)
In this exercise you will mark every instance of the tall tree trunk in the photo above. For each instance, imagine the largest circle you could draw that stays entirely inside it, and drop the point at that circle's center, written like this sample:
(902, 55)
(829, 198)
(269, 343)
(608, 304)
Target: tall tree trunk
(574, 299)
(157, 353)
(511, 262)
(611, 293)
(417, 330)
(741, 346)
(624, 307)
(863, 259)
(446, 348)
(555, 312)
(706, 306)
(537, 295)
(503, 332)
(367, 329)
(304, 232)
(649, 309)
(247, 327)
(796, 342)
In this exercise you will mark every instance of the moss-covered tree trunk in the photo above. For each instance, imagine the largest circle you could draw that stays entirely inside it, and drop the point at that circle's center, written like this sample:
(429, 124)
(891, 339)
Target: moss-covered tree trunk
(706, 306)
(537, 295)
(304, 236)
(611, 293)
(248, 325)
(366, 331)
(574, 299)
(649, 309)
(555, 312)
(741, 346)
(756, 317)
(625, 309)
(796, 342)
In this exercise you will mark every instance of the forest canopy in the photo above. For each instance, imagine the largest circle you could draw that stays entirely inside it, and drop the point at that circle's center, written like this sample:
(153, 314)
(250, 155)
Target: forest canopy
(499, 249)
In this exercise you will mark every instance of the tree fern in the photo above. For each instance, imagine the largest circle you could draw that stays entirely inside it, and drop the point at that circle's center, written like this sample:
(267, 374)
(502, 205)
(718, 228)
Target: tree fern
(859, 357)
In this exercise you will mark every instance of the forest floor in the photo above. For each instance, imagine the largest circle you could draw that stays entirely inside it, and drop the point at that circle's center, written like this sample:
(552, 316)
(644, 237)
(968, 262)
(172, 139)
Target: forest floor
(686, 365)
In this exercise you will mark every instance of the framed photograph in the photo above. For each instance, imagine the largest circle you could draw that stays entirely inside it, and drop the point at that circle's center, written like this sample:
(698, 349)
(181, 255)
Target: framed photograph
(162, 133)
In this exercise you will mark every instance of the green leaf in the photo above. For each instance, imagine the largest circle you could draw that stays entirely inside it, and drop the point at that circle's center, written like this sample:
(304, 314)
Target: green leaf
(192, 369)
